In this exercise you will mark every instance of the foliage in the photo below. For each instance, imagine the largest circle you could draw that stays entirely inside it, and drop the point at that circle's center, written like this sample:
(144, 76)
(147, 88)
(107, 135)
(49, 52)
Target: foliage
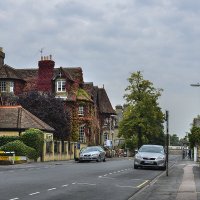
(34, 139)
(83, 94)
(8, 99)
(49, 109)
(194, 136)
(174, 140)
(142, 115)
(5, 139)
(20, 149)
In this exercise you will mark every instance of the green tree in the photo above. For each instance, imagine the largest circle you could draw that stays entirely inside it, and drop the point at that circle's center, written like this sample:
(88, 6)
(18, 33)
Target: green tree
(142, 115)
(174, 140)
(194, 136)
(34, 139)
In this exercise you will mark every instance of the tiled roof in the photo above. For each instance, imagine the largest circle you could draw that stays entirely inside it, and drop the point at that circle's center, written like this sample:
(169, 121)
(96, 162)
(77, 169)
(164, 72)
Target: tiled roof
(16, 117)
(7, 72)
(104, 102)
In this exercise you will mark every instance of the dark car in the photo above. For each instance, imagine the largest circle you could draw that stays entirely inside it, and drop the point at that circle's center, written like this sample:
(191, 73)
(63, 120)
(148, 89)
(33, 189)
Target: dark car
(93, 153)
(150, 156)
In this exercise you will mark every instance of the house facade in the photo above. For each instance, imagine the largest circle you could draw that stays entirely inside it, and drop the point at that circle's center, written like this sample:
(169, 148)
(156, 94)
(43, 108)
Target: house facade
(88, 105)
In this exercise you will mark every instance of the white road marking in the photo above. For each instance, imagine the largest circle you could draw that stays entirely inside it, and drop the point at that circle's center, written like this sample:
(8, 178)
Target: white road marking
(51, 189)
(65, 185)
(14, 198)
(85, 183)
(34, 193)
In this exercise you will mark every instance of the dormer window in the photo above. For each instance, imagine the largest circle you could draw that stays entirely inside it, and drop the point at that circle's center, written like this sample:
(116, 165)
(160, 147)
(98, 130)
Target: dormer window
(81, 110)
(60, 85)
(2, 86)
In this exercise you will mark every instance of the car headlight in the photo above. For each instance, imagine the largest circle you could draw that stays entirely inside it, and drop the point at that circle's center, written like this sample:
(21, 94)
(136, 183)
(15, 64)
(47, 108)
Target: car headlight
(161, 158)
(138, 156)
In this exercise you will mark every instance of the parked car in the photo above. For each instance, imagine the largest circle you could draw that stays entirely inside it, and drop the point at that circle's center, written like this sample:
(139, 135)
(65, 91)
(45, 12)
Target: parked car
(150, 156)
(93, 153)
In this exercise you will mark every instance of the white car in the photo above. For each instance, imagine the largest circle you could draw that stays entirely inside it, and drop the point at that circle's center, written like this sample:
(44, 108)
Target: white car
(92, 153)
(150, 156)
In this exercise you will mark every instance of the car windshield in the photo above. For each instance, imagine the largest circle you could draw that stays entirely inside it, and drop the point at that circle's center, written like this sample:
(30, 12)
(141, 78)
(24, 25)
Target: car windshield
(88, 149)
(151, 149)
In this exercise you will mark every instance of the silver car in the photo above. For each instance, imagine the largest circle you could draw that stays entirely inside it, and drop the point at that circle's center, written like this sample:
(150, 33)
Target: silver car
(150, 156)
(92, 153)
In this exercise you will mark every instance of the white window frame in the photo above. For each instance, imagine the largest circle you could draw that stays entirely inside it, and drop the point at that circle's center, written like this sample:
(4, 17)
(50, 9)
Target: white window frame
(2, 86)
(11, 86)
(81, 110)
(60, 85)
(82, 133)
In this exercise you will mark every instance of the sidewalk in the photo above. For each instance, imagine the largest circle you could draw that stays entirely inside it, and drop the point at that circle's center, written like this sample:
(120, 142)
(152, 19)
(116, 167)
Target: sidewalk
(182, 183)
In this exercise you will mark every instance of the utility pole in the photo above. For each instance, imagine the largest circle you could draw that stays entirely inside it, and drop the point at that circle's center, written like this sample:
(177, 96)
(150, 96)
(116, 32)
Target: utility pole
(167, 142)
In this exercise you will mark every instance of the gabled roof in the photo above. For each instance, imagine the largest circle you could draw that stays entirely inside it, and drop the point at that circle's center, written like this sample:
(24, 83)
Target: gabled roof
(7, 72)
(104, 102)
(18, 118)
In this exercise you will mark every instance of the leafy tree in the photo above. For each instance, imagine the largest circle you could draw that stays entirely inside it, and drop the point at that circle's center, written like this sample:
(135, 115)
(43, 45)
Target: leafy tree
(33, 138)
(174, 140)
(194, 136)
(142, 115)
(50, 110)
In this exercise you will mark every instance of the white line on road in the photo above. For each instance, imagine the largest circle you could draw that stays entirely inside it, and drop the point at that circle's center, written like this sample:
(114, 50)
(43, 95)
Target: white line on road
(34, 193)
(51, 189)
(14, 198)
(65, 185)
(85, 183)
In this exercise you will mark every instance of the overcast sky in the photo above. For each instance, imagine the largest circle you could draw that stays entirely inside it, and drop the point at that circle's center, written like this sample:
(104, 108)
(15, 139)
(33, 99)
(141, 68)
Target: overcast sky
(110, 39)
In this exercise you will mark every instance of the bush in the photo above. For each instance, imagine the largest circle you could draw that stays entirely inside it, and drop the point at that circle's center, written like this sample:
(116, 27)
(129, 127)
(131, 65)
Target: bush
(33, 138)
(20, 149)
(5, 139)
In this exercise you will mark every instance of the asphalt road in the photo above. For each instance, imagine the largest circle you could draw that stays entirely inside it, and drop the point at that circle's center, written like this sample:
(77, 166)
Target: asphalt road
(112, 180)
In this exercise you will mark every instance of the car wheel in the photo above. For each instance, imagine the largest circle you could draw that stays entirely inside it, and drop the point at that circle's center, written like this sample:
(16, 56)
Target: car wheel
(104, 160)
(99, 159)
(135, 167)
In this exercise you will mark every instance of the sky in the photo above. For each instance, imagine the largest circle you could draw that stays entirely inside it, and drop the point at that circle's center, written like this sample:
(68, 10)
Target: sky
(110, 39)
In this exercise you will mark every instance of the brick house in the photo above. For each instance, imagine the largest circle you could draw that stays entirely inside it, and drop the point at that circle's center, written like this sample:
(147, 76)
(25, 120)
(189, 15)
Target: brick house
(89, 105)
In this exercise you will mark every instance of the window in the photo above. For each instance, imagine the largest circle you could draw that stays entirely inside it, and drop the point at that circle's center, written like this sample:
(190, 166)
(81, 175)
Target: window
(11, 86)
(105, 136)
(82, 134)
(2, 86)
(80, 110)
(60, 86)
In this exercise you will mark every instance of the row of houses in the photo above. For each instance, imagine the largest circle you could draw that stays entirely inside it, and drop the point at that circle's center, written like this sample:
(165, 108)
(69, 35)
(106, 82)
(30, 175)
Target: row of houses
(89, 105)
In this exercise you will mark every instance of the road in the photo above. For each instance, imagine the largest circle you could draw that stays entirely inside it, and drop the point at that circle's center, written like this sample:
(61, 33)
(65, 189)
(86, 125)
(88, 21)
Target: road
(115, 179)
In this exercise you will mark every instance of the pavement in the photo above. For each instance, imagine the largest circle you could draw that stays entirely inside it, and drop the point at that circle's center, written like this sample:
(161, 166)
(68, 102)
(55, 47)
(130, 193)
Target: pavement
(182, 183)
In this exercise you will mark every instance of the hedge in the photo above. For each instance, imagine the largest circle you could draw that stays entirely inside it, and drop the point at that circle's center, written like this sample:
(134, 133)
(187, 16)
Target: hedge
(5, 139)
(20, 149)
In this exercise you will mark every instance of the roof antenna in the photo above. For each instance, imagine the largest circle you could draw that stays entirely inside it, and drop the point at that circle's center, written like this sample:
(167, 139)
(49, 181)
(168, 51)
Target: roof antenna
(41, 51)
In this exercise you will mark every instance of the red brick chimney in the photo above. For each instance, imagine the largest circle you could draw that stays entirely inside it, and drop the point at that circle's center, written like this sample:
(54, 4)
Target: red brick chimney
(45, 74)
